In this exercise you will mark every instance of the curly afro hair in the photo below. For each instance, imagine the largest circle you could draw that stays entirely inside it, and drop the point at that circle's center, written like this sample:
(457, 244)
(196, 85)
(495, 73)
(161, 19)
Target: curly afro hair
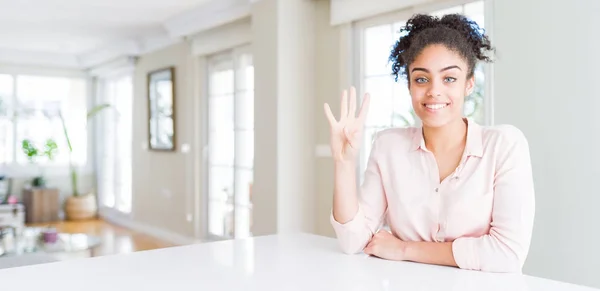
(455, 31)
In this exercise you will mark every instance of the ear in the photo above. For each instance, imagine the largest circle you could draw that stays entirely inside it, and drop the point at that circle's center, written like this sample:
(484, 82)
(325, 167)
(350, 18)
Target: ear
(470, 86)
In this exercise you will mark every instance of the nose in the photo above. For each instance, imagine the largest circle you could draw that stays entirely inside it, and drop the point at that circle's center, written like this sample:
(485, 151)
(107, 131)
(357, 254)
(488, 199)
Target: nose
(435, 89)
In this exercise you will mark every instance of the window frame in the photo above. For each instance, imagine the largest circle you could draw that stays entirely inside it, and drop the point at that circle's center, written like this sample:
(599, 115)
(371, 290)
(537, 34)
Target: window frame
(24, 171)
(226, 55)
(102, 83)
(359, 61)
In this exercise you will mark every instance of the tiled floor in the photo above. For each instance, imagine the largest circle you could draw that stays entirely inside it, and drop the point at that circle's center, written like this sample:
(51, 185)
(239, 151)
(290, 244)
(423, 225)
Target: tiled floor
(114, 239)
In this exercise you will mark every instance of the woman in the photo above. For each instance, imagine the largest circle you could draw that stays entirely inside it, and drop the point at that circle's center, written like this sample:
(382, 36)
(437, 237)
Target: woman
(452, 192)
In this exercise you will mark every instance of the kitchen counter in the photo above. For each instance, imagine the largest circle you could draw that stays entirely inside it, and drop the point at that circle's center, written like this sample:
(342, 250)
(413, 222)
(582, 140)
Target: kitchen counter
(277, 262)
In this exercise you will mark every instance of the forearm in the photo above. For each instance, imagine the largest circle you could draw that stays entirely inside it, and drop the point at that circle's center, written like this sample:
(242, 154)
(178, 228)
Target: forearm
(430, 253)
(345, 199)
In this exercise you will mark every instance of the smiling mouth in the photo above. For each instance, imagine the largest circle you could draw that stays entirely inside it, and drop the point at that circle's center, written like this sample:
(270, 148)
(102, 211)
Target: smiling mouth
(437, 106)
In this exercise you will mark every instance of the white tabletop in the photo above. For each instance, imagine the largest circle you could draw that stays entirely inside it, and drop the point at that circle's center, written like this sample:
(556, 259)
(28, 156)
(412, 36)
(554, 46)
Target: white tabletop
(279, 262)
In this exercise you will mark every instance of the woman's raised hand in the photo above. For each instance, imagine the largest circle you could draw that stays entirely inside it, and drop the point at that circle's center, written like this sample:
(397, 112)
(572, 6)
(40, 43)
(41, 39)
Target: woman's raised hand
(346, 133)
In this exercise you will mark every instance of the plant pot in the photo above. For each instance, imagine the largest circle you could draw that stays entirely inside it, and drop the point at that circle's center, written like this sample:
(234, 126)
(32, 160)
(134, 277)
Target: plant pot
(81, 207)
(38, 182)
(41, 204)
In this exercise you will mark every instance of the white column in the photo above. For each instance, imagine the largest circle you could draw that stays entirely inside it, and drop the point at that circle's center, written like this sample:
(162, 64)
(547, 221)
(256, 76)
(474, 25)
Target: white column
(284, 56)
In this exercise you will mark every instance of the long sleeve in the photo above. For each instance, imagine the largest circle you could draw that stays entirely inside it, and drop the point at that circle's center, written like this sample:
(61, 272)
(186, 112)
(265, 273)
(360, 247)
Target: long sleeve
(506, 246)
(354, 235)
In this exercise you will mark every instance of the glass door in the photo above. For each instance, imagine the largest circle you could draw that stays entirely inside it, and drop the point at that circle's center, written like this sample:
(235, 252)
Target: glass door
(230, 161)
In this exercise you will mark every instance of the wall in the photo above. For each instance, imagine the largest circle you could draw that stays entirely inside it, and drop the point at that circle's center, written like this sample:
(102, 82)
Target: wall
(163, 181)
(545, 83)
(265, 46)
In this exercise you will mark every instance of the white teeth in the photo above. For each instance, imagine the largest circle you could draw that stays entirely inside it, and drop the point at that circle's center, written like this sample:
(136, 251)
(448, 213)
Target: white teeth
(436, 106)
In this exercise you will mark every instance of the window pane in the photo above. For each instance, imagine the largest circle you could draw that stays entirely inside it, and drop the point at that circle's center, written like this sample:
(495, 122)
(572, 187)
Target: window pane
(451, 10)
(378, 44)
(42, 88)
(221, 151)
(6, 136)
(245, 110)
(397, 27)
(368, 138)
(6, 93)
(40, 100)
(221, 82)
(245, 73)
(115, 144)
(221, 184)
(6, 85)
(220, 222)
(243, 221)
(124, 106)
(380, 109)
(221, 112)
(220, 209)
(474, 107)
(244, 151)
(243, 184)
(250, 78)
(106, 177)
(402, 115)
(475, 12)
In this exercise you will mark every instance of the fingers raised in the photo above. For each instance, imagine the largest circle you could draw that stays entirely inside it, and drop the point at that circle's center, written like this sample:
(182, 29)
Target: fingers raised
(329, 115)
(344, 106)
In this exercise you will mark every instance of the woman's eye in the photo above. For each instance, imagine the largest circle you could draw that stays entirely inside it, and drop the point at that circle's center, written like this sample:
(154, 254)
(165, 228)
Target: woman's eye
(449, 79)
(420, 80)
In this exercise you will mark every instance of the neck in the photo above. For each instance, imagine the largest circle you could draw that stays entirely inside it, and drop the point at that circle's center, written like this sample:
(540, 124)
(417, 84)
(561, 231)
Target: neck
(447, 137)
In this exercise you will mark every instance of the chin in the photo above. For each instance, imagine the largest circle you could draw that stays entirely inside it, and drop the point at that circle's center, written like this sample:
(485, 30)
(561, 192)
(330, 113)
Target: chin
(434, 122)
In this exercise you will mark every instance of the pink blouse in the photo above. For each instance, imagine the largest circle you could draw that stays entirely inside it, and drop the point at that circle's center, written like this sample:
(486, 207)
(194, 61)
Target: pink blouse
(485, 207)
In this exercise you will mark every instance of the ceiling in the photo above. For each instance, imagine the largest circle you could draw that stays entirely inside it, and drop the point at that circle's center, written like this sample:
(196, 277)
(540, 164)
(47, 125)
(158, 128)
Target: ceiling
(66, 29)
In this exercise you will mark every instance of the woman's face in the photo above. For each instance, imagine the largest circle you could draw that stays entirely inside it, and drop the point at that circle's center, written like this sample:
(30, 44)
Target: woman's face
(438, 85)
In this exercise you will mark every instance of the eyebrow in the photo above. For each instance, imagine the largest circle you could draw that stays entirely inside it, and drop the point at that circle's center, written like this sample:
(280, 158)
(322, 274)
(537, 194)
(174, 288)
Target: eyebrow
(444, 69)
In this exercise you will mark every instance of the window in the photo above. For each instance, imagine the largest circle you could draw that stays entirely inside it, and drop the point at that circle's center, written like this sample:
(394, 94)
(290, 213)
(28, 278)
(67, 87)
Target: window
(30, 108)
(391, 103)
(115, 148)
(230, 144)
(6, 122)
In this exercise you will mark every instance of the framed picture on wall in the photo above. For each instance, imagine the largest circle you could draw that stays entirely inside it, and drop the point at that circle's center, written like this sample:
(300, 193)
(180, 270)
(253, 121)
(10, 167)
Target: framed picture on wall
(161, 109)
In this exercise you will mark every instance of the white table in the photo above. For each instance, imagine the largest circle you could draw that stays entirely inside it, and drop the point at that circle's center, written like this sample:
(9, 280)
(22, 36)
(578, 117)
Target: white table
(280, 262)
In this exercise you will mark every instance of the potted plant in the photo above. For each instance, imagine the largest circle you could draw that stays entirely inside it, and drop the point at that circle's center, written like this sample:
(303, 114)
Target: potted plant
(80, 205)
(41, 203)
(32, 153)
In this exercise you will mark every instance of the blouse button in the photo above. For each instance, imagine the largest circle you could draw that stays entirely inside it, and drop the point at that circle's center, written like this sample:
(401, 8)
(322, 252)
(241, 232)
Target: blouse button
(437, 189)
(439, 238)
